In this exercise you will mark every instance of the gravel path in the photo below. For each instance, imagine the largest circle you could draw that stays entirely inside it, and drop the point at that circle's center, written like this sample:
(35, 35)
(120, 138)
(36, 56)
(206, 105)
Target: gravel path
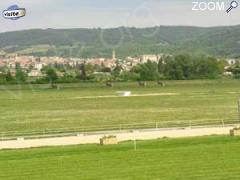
(121, 136)
(132, 95)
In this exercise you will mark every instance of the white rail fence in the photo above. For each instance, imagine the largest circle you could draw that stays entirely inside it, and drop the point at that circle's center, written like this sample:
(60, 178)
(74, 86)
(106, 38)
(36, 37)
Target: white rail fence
(11, 135)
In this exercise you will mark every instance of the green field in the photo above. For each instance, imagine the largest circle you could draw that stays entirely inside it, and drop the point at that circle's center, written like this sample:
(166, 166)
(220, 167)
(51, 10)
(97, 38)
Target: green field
(35, 108)
(214, 157)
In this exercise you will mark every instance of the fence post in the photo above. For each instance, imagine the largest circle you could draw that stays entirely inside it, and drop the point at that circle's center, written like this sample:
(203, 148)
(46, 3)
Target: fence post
(156, 125)
(190, 124)
(135, 144)
(120, 127)
(239, 109)
(223, 124)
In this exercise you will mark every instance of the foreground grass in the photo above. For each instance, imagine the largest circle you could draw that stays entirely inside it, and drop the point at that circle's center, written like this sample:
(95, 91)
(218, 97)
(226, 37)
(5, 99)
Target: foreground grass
(214, 157)
(39, 109)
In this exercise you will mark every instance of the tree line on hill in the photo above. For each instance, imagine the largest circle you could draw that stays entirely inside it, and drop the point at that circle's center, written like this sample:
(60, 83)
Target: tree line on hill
(97, 42)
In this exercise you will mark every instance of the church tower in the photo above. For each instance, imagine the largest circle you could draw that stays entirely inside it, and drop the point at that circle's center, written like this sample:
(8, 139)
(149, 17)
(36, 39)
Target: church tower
(113, 54)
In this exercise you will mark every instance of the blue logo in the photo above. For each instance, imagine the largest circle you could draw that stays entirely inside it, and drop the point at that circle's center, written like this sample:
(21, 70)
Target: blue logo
(14, 12)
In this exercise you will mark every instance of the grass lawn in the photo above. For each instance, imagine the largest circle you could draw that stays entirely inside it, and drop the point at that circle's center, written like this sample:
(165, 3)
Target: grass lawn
(38, 109)
(213, 157)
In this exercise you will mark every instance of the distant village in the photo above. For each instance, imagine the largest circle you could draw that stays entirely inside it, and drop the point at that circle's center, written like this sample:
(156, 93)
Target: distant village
(33, 66)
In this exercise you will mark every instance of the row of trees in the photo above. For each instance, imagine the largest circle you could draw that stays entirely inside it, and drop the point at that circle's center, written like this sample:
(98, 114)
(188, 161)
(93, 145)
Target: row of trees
(177, 67)
(20, 76)
(7, 77)
(180, 67)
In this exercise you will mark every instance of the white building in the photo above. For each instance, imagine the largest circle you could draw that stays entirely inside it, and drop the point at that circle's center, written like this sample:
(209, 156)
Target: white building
(150, 57)
(35, 73)
(231, 61)
(38, 66)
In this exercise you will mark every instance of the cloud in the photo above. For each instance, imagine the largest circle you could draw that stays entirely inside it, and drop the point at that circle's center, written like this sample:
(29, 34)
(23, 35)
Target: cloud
(112, 13)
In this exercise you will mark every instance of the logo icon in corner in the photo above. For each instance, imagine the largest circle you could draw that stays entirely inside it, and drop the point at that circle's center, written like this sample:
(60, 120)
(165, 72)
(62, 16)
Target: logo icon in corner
(14, 12)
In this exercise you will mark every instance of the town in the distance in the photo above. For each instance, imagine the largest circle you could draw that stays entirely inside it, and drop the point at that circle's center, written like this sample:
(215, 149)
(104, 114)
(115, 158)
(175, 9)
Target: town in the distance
(147, 67)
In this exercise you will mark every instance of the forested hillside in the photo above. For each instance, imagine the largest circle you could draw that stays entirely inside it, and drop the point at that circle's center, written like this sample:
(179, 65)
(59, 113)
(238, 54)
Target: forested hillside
(217, 41)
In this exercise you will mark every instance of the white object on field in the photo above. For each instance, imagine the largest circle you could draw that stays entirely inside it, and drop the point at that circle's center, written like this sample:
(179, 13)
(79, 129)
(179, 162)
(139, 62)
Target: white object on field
(20, 138)
(123, 93)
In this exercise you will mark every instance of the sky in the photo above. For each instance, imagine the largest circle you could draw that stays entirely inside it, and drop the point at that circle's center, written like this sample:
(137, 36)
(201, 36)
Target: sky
(113, 13)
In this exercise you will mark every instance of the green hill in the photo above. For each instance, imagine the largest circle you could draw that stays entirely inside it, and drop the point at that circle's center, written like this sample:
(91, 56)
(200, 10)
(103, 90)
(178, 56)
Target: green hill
(217, 41)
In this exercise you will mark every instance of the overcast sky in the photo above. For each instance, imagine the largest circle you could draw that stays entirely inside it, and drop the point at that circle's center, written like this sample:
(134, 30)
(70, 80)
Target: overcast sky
(113, 13)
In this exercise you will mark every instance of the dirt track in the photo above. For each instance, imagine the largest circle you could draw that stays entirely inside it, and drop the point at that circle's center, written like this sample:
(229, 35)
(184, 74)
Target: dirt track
(122, 136)
(132, 95)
